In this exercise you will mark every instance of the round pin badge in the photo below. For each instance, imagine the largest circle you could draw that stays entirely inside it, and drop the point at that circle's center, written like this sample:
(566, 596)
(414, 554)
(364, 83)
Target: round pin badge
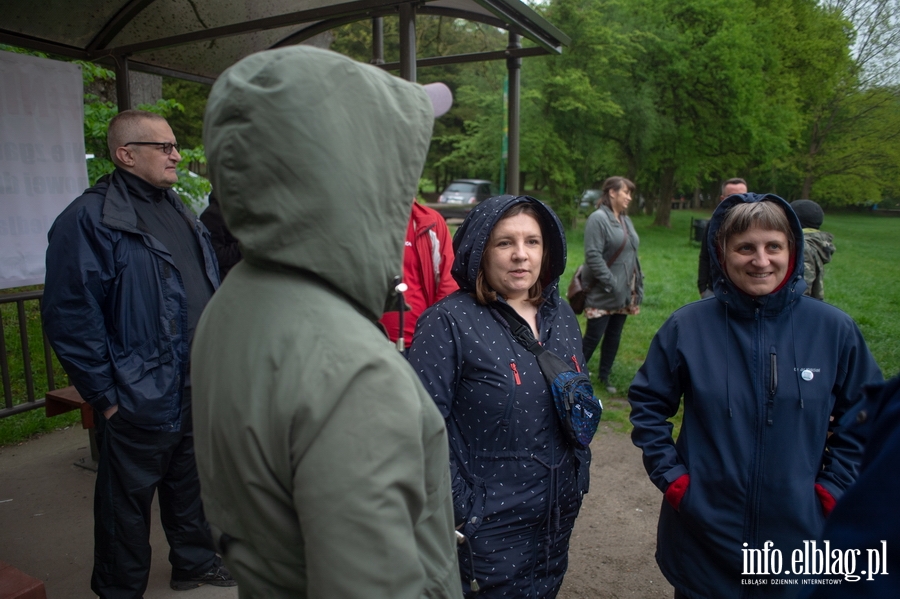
(806, 375)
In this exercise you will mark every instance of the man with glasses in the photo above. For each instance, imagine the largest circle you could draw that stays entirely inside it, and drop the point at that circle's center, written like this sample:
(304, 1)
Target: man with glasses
(129, 270)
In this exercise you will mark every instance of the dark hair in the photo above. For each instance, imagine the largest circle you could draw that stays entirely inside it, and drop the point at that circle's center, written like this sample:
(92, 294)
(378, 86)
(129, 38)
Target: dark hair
(483, 292)
(741, 217)
(614, 184)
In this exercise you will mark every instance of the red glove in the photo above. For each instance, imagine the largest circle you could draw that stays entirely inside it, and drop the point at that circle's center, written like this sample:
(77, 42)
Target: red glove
(677, 489)
(826, 499)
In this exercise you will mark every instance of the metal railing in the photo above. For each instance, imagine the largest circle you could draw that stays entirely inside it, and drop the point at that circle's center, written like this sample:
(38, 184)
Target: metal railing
(30, 402)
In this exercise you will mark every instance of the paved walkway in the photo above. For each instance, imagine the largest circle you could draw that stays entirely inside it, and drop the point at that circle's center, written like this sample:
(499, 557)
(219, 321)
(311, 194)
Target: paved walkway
(46, 519)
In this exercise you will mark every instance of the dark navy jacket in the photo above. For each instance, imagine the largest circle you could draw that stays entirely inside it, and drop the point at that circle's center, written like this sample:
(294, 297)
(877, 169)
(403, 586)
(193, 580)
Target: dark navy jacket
(865, 518)
(760, 378)
(114, 306)
(517, 483)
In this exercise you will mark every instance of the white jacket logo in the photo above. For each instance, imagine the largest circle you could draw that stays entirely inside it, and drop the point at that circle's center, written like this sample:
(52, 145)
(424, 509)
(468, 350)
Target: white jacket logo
(807, 374)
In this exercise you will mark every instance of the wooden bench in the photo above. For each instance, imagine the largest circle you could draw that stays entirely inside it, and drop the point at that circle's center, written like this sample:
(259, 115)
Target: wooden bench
(60, 401)
(15, 584)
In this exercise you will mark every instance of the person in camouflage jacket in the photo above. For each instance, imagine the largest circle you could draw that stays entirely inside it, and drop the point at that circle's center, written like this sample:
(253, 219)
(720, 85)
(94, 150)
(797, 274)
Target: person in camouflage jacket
(818, 246)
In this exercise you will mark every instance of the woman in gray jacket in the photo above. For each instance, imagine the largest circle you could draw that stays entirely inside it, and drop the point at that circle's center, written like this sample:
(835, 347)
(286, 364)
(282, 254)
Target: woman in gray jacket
(612, 273)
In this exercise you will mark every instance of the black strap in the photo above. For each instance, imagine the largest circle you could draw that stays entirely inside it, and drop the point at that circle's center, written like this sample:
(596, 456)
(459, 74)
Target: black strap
(520, 329)
(622, 222)
(551, 364)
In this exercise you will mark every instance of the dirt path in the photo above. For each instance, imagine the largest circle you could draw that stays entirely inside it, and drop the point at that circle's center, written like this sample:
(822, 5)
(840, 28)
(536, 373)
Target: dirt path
(612, 547)
(46, 523)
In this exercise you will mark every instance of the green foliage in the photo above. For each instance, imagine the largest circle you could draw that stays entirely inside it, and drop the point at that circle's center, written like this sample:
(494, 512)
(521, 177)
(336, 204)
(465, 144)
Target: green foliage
(187, 123)
(568, 99)
(859, 163)
(22, 427)
(475, 150)
(17, 428)
(193, 189)
(97, 115)
(466, 142)
(679, 95)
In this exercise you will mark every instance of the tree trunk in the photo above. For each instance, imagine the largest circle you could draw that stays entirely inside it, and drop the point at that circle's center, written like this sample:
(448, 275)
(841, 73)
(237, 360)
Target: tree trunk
(806, 191)
(145, 88)
(666, 192)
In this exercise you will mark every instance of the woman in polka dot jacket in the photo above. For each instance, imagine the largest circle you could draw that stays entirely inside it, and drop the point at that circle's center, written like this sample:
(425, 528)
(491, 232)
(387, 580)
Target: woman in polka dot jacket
(517, 482)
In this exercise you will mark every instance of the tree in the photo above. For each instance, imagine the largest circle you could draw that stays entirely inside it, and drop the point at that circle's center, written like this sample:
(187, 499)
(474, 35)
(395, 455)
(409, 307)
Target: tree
(466, 141)
(187, 123)
(846, 154)
(566, 99)
(696, 91)
(708, 95)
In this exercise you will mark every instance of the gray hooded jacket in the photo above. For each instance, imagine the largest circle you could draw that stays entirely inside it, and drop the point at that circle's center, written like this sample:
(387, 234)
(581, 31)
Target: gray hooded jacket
(611, 284)
(323, 461)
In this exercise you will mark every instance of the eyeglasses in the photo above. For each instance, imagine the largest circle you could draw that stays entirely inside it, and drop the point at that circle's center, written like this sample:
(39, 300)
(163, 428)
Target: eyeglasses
(166, 146)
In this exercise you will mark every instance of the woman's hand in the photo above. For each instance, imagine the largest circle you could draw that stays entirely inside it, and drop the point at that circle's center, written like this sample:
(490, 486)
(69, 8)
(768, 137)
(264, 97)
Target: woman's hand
(675, 491)
(826, 499)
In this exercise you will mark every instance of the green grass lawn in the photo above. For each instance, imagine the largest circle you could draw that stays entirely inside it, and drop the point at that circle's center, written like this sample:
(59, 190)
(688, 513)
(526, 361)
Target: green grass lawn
(863, 279)
(22, 426)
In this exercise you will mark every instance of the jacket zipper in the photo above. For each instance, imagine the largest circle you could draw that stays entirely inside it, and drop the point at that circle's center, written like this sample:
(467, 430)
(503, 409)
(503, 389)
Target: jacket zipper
(515, 371)
(773, 383)
(751, 519)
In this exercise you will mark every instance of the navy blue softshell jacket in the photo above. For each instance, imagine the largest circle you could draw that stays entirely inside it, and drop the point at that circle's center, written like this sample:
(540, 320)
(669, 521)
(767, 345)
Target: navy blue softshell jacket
(517, 483)
(760, 379)
(115, 307)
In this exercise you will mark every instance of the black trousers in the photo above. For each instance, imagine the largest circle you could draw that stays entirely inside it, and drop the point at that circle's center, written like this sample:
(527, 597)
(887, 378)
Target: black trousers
(134, 464)
(609, 328)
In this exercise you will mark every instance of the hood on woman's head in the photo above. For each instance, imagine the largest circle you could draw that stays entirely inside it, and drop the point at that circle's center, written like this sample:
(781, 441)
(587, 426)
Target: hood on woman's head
(720, 217)
(473, 234)
(315, 158)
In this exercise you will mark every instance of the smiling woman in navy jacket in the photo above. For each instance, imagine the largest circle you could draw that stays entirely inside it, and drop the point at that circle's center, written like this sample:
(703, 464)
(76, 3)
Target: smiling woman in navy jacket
(517, 482)
(761, 370)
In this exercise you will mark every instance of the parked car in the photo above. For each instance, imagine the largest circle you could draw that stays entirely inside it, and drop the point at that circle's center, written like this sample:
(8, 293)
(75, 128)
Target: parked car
(467, 191)
(589, 199)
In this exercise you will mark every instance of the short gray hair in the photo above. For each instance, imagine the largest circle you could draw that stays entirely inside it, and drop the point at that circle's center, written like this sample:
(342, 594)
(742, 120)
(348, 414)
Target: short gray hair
(125, 127)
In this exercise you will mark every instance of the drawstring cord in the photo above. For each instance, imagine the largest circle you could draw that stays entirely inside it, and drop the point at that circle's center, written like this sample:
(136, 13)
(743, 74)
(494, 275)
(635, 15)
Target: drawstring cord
(796, 369)
(553, 513)
(462, 540)
(727, 390)
(400, 288)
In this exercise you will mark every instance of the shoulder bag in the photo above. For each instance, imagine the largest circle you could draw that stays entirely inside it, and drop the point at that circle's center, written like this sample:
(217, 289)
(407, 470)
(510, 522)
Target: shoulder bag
(576, 405)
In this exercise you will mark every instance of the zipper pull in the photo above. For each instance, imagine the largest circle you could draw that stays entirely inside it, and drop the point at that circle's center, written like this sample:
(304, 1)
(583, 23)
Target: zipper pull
(773, 371)
(575, 362)
(515, 372)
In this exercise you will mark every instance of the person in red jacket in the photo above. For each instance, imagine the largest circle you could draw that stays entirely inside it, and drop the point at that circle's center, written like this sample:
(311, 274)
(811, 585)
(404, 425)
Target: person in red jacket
(427, 258)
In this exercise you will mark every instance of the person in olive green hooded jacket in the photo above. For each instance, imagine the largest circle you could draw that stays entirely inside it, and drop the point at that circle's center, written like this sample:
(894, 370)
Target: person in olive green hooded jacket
(323, 461)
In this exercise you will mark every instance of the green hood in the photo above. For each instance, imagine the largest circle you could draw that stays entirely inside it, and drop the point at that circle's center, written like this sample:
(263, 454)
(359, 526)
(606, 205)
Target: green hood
(309, 183)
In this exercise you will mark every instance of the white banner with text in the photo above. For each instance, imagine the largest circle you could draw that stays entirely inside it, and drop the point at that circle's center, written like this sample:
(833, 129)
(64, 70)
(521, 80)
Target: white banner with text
(42, 164)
